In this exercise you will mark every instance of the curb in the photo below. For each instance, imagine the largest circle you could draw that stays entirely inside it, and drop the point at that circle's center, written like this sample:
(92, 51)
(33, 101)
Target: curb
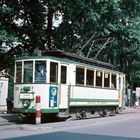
(33, 128)
(6, 123)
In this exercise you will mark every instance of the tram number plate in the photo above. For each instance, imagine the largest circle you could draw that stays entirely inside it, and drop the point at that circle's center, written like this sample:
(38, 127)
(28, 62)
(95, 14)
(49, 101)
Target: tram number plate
(26, 96)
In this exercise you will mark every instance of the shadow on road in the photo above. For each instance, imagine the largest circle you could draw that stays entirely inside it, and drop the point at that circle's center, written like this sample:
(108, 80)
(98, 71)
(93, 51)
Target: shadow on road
(71, 136)
(9, 118)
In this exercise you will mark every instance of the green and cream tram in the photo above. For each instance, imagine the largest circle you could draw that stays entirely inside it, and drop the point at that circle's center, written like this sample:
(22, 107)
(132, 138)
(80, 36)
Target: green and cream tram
(68, 85)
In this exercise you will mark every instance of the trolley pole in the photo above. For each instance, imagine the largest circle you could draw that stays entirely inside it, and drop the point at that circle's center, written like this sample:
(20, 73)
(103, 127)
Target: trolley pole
(38, 111)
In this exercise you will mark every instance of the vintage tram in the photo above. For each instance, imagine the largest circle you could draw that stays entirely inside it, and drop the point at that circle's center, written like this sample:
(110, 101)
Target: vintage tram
(68, 85)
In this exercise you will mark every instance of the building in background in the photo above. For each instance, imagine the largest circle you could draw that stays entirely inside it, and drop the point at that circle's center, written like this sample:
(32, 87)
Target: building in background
(3, 93)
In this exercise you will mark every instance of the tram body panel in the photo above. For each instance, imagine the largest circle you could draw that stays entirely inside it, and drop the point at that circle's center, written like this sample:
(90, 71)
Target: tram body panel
(44, 91)
(40, 90)
(94, 95)
(20, 95)
(63, 97)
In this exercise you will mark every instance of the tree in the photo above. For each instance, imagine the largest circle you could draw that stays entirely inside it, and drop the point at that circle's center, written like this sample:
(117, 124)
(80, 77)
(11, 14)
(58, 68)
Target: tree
(114, 25)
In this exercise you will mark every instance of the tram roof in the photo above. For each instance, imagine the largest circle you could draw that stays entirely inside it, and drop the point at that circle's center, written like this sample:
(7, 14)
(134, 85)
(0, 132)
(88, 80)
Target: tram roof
(74, 57)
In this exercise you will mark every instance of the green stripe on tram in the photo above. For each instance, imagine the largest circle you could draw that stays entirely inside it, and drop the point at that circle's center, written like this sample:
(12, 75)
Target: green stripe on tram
(93, 100)
(75, 102)
(33, 110)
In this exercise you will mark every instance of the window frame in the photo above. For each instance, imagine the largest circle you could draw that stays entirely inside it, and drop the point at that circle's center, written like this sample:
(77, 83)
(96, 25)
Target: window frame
(109, 75)
(99, 70)
(21, 76)
(23, 71)
(93, 78)
(66, 75)
(83, 78)
(114, 85)
(45, 71)
(57, 72)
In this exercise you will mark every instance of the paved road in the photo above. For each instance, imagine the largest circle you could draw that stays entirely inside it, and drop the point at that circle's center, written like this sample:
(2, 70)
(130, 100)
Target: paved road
(124, 126)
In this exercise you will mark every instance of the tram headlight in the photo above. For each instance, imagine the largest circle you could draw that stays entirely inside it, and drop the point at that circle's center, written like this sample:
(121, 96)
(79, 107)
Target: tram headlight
(26, 103)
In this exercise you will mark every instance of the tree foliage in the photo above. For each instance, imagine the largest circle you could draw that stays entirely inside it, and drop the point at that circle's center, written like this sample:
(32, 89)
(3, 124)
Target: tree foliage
(31, 24)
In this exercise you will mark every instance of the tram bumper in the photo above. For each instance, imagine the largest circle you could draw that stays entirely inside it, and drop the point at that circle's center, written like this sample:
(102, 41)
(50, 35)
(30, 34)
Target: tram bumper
(23, 110)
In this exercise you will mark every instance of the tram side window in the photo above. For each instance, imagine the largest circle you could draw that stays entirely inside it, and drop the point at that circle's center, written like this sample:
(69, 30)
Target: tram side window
(63, 74)
(28, 71)
(106, 80)
(99, 78)
(40, 71)
(53, 72)
(113, 81)
(80, 76)
(90, 77)
(18, 72)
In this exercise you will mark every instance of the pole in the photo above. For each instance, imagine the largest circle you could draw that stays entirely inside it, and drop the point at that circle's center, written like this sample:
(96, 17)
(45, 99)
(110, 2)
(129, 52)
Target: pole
(38, 112)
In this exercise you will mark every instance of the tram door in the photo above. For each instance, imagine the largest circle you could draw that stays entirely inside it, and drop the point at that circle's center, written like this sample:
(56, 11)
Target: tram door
(54, 88)
(58, 94)
(63, 86)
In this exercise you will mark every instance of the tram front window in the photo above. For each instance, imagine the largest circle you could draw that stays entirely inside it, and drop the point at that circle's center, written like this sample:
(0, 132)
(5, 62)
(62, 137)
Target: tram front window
(28, 72)
(40, 71)
(18, 72)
